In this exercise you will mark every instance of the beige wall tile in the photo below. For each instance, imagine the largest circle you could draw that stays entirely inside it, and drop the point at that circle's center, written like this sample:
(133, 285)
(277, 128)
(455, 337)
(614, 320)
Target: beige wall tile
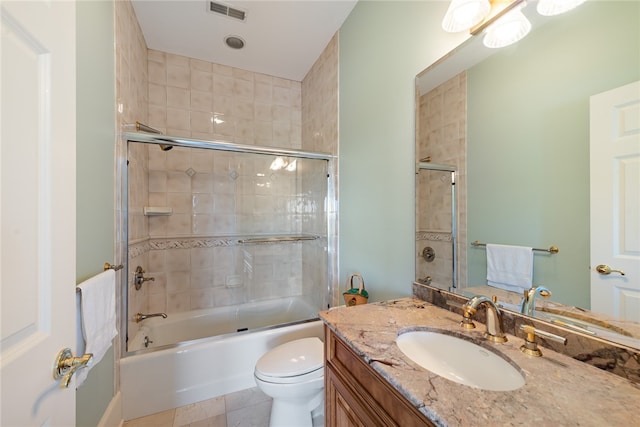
(178, 98)
(220, 198)
(201, 101)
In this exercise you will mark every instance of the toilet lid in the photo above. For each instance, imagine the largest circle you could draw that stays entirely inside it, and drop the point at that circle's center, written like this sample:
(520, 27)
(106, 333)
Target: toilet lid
(292, 359)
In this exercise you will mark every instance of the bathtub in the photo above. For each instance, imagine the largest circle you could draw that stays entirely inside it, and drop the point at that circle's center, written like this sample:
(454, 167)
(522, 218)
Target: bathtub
(154, 380)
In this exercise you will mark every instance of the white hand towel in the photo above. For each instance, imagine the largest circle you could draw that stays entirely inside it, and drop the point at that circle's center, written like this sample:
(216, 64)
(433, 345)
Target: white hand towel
(97, 317)
(510, 267)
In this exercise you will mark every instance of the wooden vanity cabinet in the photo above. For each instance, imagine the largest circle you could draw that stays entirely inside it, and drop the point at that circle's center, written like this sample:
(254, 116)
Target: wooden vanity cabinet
(356, 395)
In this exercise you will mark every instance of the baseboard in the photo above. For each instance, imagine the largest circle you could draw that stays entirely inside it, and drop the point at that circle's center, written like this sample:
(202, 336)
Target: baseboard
(112, 417)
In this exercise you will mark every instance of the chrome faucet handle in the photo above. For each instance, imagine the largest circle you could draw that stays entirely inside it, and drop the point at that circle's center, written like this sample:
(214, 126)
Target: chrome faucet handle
(139, 317)
(530, 345)
(139, 279)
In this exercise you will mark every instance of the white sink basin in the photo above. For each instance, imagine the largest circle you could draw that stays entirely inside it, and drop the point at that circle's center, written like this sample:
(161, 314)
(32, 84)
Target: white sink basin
(460, 360)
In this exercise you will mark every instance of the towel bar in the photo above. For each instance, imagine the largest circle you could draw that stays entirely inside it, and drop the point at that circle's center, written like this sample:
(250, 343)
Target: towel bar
(551, 250)
(108, 266)
(277, 239)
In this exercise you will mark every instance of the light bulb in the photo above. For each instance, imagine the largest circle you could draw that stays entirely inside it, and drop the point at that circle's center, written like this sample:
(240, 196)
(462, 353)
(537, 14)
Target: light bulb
(507, 30)
(464, 14)
(556, 7)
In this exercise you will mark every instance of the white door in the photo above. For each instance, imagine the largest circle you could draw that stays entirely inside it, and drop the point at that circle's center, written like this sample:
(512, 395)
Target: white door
(615, 202)
(37, 209)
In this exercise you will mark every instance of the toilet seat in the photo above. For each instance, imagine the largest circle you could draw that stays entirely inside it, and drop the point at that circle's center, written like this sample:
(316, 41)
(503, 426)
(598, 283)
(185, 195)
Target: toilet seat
(293, 362)
(297, 379)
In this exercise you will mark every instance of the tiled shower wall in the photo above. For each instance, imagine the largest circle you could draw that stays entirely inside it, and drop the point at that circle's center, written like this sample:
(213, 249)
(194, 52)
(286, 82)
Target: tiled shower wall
(193, 98)
(199, 99)
(441, 136)
(320, 134)
(218, 198)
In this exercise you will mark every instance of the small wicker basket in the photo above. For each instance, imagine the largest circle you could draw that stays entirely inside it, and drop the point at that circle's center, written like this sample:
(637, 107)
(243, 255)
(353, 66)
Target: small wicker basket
(355, 296)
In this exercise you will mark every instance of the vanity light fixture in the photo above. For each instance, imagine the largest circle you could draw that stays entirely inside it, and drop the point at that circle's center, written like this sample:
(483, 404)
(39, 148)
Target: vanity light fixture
(508, 29)
(556, 7)
(464, 14)
(503, 22)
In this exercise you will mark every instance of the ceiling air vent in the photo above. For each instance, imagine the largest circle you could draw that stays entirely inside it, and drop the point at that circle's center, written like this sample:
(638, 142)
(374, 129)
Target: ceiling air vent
(223, 9)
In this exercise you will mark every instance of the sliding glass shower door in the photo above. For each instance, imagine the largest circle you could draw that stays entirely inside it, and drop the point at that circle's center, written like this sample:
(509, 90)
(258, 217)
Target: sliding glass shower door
(436, 226)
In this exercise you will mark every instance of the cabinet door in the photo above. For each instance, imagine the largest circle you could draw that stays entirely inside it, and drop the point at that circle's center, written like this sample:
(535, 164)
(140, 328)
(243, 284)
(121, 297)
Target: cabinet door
(342, 409)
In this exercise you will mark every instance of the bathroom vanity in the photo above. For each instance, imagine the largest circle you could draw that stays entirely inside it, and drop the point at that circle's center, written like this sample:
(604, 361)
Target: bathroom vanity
(356, 395)
(369, 381)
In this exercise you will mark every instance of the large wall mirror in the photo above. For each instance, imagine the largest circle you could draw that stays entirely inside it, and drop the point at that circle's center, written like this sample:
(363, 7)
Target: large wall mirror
(515, 124)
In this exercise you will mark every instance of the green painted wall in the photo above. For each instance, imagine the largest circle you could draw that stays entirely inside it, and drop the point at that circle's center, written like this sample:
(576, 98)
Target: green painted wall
(528, 139)
(95, 177)
(383, 45)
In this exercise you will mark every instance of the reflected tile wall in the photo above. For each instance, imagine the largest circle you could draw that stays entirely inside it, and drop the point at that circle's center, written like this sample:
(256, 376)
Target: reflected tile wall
(441, 135)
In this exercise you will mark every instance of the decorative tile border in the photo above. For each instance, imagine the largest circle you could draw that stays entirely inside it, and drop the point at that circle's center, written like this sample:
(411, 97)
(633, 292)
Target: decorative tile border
(141, 247)
(138, 248)
(188, 243)
(434, 236)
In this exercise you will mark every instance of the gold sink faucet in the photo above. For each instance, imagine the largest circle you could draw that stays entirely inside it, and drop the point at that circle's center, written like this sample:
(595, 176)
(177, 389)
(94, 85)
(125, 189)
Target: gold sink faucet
(529, 299)
(495, 328)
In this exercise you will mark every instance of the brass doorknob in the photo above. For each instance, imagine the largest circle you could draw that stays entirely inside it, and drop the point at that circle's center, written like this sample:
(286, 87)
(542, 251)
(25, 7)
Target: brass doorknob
(66, 365)
(605, 269)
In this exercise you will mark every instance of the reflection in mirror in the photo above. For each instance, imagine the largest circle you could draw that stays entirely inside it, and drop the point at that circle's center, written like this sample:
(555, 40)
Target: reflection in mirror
(435, 224)
(516, 126)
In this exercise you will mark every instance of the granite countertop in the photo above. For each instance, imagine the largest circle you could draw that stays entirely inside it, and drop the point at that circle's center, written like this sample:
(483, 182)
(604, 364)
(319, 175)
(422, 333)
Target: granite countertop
(559, 390)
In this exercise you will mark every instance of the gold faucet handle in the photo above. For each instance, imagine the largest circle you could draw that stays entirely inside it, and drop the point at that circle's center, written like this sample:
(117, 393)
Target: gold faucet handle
(466, 321)
(530, 345)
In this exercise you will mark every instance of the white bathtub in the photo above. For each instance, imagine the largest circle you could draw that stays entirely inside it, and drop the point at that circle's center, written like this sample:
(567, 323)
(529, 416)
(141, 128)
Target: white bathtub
(196, 324)
(154, 381)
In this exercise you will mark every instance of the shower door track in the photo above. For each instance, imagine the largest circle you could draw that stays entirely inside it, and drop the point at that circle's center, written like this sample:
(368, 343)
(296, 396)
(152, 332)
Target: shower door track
(221, 145)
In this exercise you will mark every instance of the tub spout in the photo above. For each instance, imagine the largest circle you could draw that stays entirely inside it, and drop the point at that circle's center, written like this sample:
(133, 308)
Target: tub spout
(140, 317)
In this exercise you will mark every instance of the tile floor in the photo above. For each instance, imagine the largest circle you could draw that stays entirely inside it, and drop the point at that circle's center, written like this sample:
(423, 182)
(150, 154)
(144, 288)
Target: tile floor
(245, 408)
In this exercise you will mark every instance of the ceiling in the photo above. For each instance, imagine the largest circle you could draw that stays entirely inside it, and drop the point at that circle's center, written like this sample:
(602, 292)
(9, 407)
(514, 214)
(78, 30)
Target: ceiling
(282, 38)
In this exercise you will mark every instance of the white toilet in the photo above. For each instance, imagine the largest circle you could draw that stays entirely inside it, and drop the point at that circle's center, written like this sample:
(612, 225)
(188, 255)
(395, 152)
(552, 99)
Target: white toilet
(293, 375)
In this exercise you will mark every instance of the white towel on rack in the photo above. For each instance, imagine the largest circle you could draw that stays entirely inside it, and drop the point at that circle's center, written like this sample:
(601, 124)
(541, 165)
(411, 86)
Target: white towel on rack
(97, 318)
(510, 267)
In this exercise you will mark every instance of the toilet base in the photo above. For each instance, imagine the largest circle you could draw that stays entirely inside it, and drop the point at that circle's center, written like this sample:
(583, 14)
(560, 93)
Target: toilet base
(297, 413)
